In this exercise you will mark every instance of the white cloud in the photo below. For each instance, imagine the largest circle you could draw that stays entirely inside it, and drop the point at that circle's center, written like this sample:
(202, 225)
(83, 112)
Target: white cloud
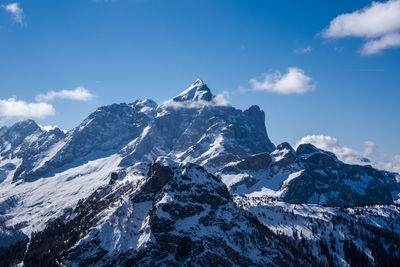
(369, 148)
(372, 21)
(304, 50)
(16, 12)
(350, 155)
(11, 108)
(375, 46)
(292, 82)
(79, 93)
(221, 99)
(48, 128)
(331, 144)
(379, 23)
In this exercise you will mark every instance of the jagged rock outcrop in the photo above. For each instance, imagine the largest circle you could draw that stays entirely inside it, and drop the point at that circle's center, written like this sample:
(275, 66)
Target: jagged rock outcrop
(255, 162)
(178, 215)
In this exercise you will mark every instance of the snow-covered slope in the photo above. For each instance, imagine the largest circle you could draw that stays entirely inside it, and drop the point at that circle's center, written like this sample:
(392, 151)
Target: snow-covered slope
(337, 236)
(27, 207)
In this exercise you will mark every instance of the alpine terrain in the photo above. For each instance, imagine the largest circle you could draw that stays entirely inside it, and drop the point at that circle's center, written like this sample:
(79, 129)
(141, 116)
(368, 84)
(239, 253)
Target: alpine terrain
(189, 182)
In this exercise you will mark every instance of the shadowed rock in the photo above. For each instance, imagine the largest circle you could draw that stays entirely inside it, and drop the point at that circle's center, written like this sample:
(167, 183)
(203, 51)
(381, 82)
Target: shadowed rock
(255, 162)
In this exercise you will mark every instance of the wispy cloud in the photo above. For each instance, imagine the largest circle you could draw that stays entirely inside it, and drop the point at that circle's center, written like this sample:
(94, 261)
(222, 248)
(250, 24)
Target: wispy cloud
(218, 100)
(13, 108)
(378, 23)
(294, 81)
(390, 164)
(338, 49)
(344, 153)
(304, 50)
(48, 128)
(17, 13)
(80, 94)
(376, 46)
(350, 155)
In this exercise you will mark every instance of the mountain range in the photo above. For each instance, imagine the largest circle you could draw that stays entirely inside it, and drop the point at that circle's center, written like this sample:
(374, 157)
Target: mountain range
(192, 181)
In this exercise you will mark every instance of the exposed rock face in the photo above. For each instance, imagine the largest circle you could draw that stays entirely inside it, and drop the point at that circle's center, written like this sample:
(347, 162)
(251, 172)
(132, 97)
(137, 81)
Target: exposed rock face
(304, 149)
(255, 162)
(284, 155)
(159, 176)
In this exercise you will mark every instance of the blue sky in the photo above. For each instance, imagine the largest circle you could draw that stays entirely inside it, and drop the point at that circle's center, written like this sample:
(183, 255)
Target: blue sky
(123, 50)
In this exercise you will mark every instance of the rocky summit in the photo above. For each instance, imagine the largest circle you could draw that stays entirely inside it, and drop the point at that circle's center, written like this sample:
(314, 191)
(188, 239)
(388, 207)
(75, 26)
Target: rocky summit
(192, 181)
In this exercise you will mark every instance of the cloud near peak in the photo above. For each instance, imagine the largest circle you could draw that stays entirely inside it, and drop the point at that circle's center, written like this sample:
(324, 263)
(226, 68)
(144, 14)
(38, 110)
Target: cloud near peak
(294, 81)
(378, 23)
(344, 153)
(350, 155)
(218, 100)
(80, 94)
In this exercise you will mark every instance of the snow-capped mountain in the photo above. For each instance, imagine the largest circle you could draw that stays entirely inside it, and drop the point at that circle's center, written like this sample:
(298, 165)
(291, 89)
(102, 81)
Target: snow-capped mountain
(183, 128)
(191, 181)
(310, 175)
(194, 128)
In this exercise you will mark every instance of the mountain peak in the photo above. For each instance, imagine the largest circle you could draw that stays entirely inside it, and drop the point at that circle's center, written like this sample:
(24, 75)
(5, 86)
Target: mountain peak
(25, 127)
(196, 92)
(199, 81)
